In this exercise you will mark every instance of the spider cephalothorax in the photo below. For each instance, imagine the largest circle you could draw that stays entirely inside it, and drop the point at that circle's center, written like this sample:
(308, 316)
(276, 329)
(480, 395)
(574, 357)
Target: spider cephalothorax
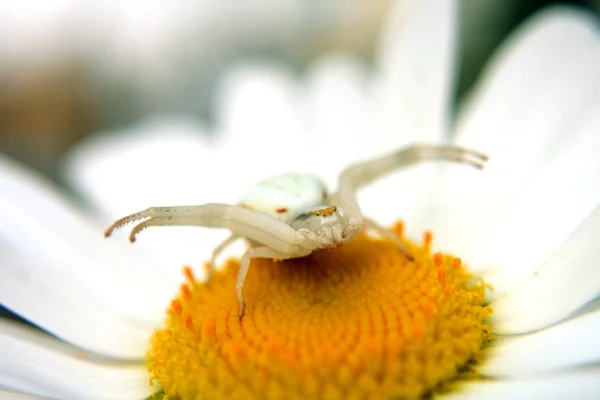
(292, 215)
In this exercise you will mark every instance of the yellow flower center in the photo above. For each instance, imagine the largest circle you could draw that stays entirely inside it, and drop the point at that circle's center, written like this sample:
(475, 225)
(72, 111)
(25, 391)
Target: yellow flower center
(360, 321)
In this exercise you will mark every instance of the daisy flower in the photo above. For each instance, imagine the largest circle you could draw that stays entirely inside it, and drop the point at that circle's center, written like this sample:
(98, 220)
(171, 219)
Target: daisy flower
(360, 321)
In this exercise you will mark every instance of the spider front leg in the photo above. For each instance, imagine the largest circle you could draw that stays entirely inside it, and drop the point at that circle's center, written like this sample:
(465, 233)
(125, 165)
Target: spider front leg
(256, 226)
(257, 252)
(359, 175)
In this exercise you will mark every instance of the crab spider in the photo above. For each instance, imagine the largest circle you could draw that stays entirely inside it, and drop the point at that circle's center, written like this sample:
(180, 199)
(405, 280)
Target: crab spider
(292, 215)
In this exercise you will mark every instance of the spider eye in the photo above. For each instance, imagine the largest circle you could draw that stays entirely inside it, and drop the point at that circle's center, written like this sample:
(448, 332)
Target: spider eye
(324, 212)
(315, 219)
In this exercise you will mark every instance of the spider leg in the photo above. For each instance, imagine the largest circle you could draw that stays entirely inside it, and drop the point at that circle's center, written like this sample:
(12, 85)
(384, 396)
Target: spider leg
(255, 252)
(256, 226)
(130, 218)
(387, 234)
(358, 175)
(217, 252)
(211, 213)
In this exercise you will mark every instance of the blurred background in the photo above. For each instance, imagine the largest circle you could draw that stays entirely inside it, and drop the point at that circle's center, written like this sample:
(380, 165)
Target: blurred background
(69, 68)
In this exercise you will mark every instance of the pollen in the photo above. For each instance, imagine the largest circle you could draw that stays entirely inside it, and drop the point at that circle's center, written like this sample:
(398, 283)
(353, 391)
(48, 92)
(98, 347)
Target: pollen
(325, 211)
(358, 322)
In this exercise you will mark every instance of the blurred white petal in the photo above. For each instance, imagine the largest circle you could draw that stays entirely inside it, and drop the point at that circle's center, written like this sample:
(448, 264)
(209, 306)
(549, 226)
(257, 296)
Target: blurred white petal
(162, 160)
(571, 344)
(412, 96)
(565, 282)
(261, 121)
(258, 106)
(417, 67)
(158, 162)
(272, 123)
(35, 363)
(572, 385)
(337, 116)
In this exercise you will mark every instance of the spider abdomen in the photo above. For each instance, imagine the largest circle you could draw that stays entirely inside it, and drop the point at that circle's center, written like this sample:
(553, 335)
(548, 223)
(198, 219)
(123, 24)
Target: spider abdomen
(286, 196)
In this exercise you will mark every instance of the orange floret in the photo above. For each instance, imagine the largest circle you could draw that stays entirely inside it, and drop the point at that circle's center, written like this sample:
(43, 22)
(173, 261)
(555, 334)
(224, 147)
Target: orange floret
(358, 322)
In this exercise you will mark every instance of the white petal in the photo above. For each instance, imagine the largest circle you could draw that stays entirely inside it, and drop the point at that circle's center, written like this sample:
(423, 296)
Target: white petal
(530, 96)
(76, 314)
(35, 363)
(417, 66)
(158, 162)
(59, 272)
(538, 218)
(411, 99)
(534, 99)
(532, 86)
(589, 308)
(571, 344)
(6, 395)
(556, 200)
(572, 385)
(565, 282)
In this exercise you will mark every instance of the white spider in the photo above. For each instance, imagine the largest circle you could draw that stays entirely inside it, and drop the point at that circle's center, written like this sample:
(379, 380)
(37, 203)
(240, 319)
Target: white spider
(292, 215)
